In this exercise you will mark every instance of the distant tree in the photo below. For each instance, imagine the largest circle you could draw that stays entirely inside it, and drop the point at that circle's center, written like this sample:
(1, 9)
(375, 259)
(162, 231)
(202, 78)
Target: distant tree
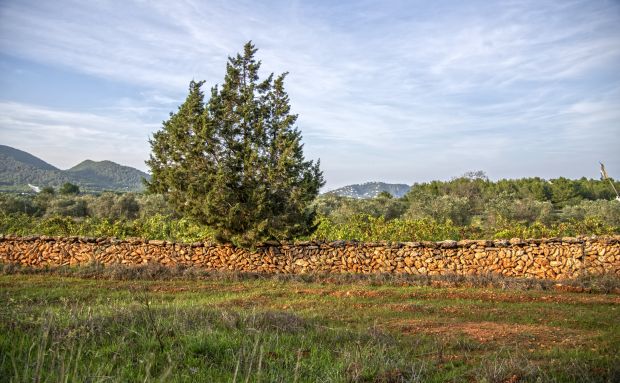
(236, 164)
(128, 206)
(10, 203)
(447, 207)
(153, 204)
(341, 209)
(565, 192)
(102, 206)
(114, 206)
(42, 201)
(66, 205)
(476, 175)
(385, 194)
(48, 190)
(604, 210)
(69, 188)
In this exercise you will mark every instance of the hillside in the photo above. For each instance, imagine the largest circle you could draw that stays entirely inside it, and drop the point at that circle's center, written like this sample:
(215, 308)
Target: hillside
(25, 158)
(106, 175)
(371, 190)
(19, 168)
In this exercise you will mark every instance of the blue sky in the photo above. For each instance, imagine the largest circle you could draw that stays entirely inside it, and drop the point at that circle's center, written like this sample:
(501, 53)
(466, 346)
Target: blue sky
(396, 91)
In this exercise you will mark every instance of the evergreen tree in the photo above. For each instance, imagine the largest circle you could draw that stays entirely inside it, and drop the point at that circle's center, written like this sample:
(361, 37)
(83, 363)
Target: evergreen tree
(236, 163)
(69, 188)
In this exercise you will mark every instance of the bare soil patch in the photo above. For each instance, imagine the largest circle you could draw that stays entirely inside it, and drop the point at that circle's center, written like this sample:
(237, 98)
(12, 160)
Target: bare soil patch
(481, 295)
(534, 336)
(557, 296)
(343, 293)
(176, 288)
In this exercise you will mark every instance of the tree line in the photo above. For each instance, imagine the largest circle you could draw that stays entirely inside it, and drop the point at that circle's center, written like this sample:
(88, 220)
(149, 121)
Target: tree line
(464, 207)
(472, 206)
(474, 198)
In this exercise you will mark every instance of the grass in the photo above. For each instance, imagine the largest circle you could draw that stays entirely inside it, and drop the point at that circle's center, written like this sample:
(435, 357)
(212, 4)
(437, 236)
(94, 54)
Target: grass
(85, 326)
(607, 283)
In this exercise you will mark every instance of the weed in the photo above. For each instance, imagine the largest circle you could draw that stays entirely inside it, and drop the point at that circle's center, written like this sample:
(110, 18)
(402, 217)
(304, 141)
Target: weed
(507, 368)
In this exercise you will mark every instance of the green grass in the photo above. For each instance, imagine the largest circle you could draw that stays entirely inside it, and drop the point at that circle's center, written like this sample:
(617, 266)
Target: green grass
(256, 329)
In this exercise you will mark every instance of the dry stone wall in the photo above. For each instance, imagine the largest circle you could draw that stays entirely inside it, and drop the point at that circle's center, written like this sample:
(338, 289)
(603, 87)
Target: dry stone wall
(553, 258)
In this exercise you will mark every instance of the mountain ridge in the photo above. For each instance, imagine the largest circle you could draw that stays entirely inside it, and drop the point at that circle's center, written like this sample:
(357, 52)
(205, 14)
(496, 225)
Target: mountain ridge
(19, 168)
(25, 157)
(370, 190)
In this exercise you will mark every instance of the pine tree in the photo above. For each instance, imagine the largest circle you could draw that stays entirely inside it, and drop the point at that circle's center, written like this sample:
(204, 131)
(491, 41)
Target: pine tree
(236, 163)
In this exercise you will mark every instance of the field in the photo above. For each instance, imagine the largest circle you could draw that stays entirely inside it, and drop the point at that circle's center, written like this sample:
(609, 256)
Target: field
(258, 329)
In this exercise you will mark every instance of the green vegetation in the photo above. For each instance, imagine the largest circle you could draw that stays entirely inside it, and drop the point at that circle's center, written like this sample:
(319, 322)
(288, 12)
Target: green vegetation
(463, 208)
(472, 206)
(227, 328)
(236, 164)
(69, 188)
(369, 229)
(8, 153)
(106, 175)
(18, 169)
(153, 227)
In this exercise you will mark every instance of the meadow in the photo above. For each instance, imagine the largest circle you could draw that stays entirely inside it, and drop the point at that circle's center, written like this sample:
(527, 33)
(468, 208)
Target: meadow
(155, 324)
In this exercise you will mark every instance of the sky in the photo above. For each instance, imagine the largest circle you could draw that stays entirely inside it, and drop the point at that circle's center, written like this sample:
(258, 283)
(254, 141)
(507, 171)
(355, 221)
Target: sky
(393, 91)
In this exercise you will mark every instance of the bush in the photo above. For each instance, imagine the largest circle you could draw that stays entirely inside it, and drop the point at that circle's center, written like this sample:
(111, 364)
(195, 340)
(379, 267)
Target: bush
(506, 207)
(604, 210)
(69, 188)
(114, 206)
(360, 227)
(448, 207)
(342, 209)
(156, 227)
(68, 207)
(367, 228)
(11, 204)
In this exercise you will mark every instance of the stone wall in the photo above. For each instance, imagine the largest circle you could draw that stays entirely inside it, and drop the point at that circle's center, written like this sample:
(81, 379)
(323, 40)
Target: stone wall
(553, 258)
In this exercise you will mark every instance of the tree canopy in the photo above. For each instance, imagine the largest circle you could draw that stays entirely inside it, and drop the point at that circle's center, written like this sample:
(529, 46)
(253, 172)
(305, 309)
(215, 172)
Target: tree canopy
(69, 188)
(236, 162)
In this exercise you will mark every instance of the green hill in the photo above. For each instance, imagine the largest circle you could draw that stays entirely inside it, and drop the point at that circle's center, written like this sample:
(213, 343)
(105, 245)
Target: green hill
(106, 175)
(19, 168)
(25, 158)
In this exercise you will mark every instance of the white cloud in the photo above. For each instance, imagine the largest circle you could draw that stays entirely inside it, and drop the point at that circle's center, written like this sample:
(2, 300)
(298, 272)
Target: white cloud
(63, 137)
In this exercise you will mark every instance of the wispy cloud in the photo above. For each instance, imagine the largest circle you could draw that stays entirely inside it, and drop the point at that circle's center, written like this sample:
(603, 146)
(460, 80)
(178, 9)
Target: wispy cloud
(398, 90)
(63, 137)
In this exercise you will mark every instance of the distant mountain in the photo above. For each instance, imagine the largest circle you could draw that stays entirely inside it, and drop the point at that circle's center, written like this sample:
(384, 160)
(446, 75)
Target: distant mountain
(371, 190)
(11, 154)
(19, 168)
(106, 175)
